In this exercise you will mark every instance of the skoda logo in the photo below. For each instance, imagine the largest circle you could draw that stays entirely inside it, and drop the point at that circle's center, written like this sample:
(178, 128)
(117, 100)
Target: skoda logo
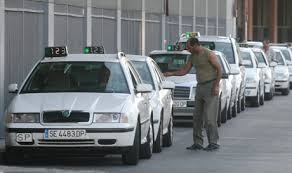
(66, 113)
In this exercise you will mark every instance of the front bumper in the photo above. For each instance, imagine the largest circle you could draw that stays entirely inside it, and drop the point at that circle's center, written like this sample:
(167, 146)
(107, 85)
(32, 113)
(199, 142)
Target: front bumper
(95, 138)
(281, 85)
(184, 113)
(251, 91)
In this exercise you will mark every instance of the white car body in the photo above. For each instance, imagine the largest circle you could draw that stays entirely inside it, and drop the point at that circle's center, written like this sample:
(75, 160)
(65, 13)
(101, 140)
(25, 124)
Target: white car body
(268, 71)
(184, 92)
(288, 57)
(281, 73)
(255, 85)
(238, 101)
(160, 97)
(108, 137)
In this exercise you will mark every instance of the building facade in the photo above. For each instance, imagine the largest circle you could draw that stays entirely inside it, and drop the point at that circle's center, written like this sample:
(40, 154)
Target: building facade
(131, 26)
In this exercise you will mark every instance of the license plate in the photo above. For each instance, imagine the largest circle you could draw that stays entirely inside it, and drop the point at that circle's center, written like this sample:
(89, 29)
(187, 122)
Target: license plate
(23, 137)
(179, 103)
(65, 134)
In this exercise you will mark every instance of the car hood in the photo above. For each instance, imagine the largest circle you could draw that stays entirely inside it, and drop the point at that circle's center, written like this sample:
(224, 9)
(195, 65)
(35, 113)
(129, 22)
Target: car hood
(281, 69)
(90, 102)
(251, 72)
(188, 80)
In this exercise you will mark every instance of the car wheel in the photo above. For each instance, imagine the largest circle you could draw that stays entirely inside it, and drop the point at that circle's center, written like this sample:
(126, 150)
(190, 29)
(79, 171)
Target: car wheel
(229, 112)
(224, 114)
(286, 92)
(219, 113)
(168, 137)
(157, 145)
(147, 148)
(234, 109)
(132, 156)
(239, 105)
(269, 96)
(256, 100)
(262, 99)
(243, 103)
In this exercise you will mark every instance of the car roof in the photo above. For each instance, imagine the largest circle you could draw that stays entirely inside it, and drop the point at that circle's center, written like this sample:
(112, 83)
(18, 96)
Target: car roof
(245, 49)
(157, 52)
(214, 38)
(279, 47)
(84, 58)
(256, 49)
(138, 57)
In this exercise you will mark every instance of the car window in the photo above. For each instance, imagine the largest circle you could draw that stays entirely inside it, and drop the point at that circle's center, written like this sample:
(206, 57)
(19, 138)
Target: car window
(171, 62)
(144, 72)
(246, 56)
(286, 54)
(279, 59)
(260, 57)
(223, 69)
(100, 77)
(134, 75)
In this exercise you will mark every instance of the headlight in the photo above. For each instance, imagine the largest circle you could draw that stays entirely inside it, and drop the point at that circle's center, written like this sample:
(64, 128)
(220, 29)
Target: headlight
(110, 118)
(23, 118)
(193, 93)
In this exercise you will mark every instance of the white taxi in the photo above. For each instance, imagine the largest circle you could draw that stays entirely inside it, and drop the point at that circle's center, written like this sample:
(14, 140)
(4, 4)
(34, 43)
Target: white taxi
(160, 100)
(255, 85)
(185, 86)
(80, 103)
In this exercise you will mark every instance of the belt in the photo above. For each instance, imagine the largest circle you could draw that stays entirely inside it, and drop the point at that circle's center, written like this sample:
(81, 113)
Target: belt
(205, 82)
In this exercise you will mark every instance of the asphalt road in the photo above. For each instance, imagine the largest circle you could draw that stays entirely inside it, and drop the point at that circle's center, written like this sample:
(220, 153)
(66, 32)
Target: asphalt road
(258, 140)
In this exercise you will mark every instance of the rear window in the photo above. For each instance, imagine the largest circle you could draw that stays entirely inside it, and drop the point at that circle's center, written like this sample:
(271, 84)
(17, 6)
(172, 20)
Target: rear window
(260, 57)
(247, 58)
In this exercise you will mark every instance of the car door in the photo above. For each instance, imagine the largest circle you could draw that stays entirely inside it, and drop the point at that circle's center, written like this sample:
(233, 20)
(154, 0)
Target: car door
(143, 101)
(164, 94)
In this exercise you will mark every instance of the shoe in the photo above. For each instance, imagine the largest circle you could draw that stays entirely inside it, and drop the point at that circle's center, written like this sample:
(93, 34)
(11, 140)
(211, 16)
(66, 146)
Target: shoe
(195, 147)
(212, 147)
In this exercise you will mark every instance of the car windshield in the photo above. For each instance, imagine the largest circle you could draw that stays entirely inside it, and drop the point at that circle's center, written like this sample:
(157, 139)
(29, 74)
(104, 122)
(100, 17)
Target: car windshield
(172, 62)
(144, 72)
(221, 64)
(286, 54)
(260, 57)
(246, 57)
(99, 77)
(279, 59)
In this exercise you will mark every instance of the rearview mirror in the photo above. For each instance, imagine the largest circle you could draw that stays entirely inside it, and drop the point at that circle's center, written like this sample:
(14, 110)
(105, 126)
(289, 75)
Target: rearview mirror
(167, 85)
(13, 88)
(144, 88)
(273, 64)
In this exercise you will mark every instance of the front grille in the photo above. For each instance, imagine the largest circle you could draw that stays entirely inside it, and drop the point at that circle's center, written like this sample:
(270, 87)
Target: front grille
(67, 142)
(181, 92)
(58, 117)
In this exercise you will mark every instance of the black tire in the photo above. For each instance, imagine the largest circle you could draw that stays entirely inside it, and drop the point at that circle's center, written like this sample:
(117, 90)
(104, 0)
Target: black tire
(262, 100)
(256, 100)
(168, 137)
(234, 109)
(147, 148)
(132, 156)
(157, 145)
(269, 96)
(243, 103)
(285, 92)
(229, 112)
(219, 113)
(239, 105)
(224, 114)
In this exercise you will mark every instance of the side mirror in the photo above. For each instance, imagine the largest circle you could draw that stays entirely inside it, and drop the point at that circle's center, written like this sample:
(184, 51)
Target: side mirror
(144, 88)
(13, 88)
(273, 64)
(234, 71)
(225, 76)
(167, 85)
(261, 65)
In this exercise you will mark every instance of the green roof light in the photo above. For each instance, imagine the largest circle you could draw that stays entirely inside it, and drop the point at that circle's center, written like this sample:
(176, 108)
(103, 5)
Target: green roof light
(86, 50)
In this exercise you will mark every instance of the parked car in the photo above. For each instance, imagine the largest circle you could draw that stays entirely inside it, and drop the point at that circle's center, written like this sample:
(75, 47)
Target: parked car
(268, 70)
(71, 102)
(160, 100)
(229, 47)
(255, 84)
(281, 73)
(185, 86)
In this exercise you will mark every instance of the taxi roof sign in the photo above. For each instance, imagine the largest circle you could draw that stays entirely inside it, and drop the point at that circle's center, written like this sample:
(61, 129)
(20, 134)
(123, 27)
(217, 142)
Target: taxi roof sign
(60, 51)
(173, 47)
(192, 34)
(93, 50)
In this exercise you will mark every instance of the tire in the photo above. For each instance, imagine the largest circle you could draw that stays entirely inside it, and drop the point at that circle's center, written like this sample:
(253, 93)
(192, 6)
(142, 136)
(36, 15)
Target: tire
(262, 100)
(132, 156)
(269, 96)
(219, 114)
(157, 145)
(229, 112)
(238, 105)
(147, 148)
(168, 137)
(243, 103)
(256, 100)
(234, 109)
(224, 114)
(285, 92)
